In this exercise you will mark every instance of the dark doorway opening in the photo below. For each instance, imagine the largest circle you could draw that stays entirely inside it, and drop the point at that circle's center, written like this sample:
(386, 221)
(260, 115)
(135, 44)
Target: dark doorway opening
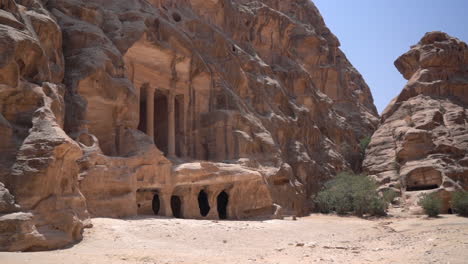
(156, 204)
(203, 203)
(421, 187)
(449, 211)
(161, 117)
(142, 123)
(222, 200)
(176, 206)
(179, 123)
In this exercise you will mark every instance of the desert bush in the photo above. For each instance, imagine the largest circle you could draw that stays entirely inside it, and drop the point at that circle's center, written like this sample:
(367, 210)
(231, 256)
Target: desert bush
(363, 143)
(351, 193)
(431, 203)
(460, 203)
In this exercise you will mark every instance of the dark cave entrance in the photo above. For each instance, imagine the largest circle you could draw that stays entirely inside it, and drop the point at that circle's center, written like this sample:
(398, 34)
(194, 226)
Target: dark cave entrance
(203, 203)
(421, 187)
(422, 179)
(222, 201)
(161, 117)
(156, 204)
(176, 206)
(176, 17)
(142, 123)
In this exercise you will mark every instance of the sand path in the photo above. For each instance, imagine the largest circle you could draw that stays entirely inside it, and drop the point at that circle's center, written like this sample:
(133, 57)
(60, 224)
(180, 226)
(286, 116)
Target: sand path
(313, 239)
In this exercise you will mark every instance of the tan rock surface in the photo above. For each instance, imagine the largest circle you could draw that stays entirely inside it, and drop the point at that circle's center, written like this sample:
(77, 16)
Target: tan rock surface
(258, 94)
(38, 159)
(258, 84)
(422, 142)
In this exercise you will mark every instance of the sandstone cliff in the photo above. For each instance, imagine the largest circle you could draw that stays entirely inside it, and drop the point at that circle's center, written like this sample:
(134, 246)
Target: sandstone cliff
(37, 158)
(257, 90)
(422, 142)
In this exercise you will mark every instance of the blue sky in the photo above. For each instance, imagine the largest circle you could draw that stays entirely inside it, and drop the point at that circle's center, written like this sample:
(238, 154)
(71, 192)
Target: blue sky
(374, 33)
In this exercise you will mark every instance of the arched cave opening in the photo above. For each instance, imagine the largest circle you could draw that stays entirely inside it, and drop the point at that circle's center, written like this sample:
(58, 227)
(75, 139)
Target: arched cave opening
(176, 206)
(422, 179)
(156, 204)
(222, 201)
(203, 203)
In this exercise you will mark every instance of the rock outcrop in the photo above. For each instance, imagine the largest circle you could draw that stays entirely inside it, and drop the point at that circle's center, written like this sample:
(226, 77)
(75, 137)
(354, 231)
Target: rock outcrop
(125, 107)
(38, 159)
(422, 143)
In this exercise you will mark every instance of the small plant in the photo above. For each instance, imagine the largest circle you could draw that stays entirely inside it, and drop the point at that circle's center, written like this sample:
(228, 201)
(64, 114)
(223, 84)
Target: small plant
(363, 143)
(351, 193)
(431, 203)
(460, 203)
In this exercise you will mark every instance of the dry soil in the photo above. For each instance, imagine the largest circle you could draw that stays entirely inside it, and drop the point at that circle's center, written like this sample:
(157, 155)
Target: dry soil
(312, 239)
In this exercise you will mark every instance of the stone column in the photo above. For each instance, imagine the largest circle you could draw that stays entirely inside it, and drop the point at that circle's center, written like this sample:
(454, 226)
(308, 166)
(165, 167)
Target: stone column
(171, 126)
(165, 198)
(150, 112)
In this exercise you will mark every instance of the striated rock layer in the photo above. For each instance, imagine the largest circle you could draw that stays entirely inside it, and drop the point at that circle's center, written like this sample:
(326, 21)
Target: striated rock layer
(421, 145)
(201, 109)
(37, 158)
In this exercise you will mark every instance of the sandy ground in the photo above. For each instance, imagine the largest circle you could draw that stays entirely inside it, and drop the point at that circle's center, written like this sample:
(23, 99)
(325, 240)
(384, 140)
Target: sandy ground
(313, 239)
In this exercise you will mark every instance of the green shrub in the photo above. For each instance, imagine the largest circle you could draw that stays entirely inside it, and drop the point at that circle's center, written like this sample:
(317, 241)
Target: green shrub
(460, 203)
(350, 193)
(363, 143)
(431, 203)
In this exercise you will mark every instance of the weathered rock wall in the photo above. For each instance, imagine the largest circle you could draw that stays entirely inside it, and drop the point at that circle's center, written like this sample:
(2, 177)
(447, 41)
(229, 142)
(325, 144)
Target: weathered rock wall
(262, 86)
(260, 81)
(38, 159)
(422, 142)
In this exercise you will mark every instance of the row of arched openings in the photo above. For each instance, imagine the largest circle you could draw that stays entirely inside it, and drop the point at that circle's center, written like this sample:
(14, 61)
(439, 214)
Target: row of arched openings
(203, 203)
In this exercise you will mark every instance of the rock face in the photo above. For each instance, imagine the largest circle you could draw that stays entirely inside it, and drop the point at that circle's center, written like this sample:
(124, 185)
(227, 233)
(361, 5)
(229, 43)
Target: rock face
(422, 143)
(201, 109)
(38, 159)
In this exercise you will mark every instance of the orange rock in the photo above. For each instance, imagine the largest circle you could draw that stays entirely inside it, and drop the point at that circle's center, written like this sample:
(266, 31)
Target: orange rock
(422, 142)
(124, 107)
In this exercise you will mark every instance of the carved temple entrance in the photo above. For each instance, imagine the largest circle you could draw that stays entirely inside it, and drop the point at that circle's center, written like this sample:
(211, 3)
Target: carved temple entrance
(161, 122)
(162, 119)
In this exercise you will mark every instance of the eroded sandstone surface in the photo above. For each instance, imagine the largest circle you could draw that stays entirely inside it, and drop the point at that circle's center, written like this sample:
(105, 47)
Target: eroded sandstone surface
(125, 107)
(422, 144)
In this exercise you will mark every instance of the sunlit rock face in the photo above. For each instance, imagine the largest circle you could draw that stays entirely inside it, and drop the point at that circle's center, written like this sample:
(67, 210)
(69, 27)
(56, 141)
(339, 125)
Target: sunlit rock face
(41, 206)
(421, 145)
(125, 107)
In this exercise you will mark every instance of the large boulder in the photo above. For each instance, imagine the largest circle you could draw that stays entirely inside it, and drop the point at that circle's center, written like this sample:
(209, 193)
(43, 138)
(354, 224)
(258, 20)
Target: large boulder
(421, 145)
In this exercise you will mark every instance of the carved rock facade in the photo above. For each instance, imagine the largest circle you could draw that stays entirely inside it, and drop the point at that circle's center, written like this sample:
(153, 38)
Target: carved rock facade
(186, 108)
